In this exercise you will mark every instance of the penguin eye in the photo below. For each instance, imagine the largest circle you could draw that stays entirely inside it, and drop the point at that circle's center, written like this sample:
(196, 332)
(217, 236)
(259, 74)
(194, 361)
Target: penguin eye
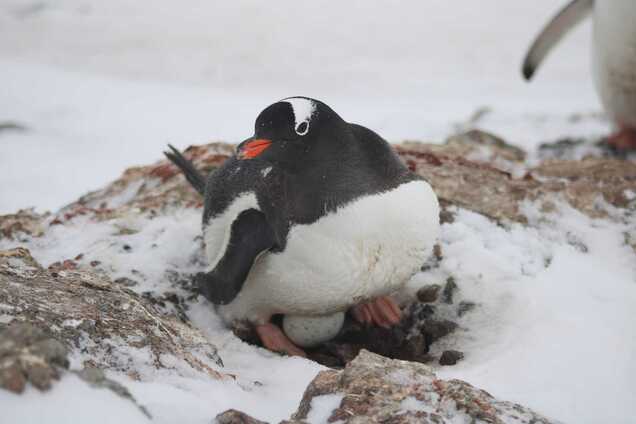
(302, 128)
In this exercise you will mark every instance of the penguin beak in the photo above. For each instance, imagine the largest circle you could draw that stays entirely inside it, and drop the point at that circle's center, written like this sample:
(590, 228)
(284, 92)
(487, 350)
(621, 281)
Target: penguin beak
(253, 148)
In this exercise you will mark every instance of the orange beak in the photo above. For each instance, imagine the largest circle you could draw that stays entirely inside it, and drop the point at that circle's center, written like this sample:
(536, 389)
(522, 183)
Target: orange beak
(254, 148)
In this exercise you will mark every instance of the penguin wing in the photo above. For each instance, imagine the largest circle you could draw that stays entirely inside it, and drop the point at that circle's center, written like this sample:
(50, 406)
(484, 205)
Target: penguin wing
(565, 20)
(250, 235)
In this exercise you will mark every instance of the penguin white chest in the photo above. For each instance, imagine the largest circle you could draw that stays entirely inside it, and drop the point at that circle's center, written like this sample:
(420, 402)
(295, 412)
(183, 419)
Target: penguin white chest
(367, 248)
(614, 58)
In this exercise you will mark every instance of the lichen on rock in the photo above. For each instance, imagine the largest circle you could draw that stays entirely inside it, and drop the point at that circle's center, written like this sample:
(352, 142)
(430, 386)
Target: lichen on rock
(377, 389)
(102, 323)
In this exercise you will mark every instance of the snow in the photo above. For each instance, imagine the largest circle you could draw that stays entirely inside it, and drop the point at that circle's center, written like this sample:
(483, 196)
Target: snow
(102, 86)
(554, 329)
(410, 403)
(322, 406)
(73, 401)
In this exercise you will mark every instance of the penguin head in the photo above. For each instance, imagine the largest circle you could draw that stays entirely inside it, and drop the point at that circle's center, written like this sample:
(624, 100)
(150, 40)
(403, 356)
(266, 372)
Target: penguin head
(293, 132)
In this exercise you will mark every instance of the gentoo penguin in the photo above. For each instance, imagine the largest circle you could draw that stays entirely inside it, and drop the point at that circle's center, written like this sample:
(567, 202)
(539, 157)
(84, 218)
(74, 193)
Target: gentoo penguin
(613, 58)
(311, 217)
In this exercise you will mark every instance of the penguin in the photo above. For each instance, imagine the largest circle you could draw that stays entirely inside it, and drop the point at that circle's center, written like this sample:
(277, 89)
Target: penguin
(613, 58)
(312, 216)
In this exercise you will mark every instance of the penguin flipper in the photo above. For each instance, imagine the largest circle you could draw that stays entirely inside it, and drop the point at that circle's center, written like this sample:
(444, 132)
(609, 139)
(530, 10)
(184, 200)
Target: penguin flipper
(554, 31)
(193, 176)
(250, 235)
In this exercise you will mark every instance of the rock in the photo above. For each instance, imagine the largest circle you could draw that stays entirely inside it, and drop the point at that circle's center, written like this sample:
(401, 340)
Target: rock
(24, 222)
(474, 170)
(583, 182)
(473, 141)
(232, 416)
(435, 329)
(450, 357)
(428, 294)
(464, 307)
(449, 290)
(480, 182)
(28, 354)
(109, 325)
(580, 148)
(376, 389)
(149, 189)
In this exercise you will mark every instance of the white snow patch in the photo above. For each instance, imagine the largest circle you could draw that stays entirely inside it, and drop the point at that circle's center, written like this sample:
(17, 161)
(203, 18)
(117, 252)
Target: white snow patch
(410, 403)
(70, 401)
(71, 322)
(555, 308)
(144, 95)
(322, 406)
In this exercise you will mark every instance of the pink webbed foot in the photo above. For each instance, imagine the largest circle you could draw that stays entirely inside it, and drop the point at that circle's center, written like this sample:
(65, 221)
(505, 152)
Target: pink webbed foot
(275, 340)
(623, 140)
(383, 312)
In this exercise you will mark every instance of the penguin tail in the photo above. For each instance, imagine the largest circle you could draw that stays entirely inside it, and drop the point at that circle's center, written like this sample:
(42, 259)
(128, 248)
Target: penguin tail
(194, 177)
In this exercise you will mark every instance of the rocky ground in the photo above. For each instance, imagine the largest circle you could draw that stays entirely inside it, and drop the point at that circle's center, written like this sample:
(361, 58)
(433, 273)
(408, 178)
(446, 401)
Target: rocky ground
(78, 292)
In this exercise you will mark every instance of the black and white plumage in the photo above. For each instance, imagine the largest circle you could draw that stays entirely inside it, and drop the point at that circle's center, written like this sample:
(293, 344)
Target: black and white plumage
(311, 216)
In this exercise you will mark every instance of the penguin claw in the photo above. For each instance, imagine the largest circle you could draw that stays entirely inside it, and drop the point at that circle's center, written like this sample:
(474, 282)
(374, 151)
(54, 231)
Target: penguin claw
(275, 340)
(383, 312)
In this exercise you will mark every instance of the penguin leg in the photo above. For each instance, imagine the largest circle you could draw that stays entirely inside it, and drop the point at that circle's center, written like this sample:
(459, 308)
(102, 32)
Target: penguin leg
(382, 311)
(623, 140)
(275, 340)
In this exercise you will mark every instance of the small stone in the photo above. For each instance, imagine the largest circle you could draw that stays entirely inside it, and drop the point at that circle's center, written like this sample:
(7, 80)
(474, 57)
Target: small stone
(428, 294)
(449, 290)
(232, 416)
(11, 378)
(464, 307)
(28, 354)
(437, 252)
(125, 281)
(446, 216)
(434, 330)
(451, 357)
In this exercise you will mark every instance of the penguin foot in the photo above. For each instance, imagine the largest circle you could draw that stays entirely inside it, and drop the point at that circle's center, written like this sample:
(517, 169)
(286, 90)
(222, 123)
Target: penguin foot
(623, 140)
(275, 340)
(383, 312)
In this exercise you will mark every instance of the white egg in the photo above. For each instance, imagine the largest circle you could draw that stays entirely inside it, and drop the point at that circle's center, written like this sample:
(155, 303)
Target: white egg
(311, 331)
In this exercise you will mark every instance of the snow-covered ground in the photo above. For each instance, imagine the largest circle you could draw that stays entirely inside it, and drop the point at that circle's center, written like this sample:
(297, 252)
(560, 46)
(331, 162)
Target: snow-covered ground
(101, 86)
(553, 328)
(105, 85)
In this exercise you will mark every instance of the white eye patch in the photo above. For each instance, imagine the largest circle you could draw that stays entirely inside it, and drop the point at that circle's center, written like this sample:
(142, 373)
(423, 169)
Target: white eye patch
(303, 111)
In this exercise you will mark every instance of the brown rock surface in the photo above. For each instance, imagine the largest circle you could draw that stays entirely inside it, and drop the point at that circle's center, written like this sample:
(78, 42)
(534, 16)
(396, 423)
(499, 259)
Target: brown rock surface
(232, 416)
(28, 355)
(110, 326)
(376, 389)
(472, 170)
